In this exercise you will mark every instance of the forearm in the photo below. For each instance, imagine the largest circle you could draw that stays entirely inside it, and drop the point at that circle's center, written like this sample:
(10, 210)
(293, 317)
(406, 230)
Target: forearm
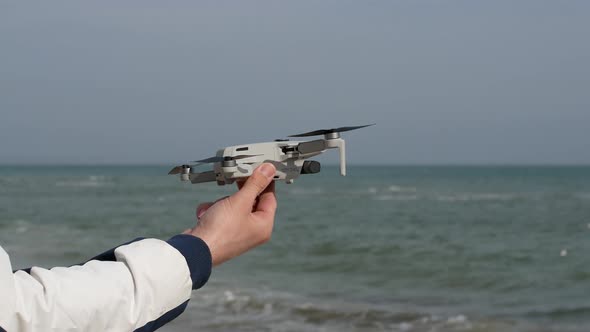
(139, 286)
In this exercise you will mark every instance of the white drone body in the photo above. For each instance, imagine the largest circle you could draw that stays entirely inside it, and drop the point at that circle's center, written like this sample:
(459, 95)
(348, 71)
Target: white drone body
(289, 158)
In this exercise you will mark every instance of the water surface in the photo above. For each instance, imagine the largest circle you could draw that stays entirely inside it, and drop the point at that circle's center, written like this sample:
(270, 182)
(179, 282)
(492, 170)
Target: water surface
(383, 249)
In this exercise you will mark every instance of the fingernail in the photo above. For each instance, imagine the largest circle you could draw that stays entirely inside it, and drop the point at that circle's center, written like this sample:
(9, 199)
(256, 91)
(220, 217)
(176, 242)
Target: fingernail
(268, 170)
(200, 213)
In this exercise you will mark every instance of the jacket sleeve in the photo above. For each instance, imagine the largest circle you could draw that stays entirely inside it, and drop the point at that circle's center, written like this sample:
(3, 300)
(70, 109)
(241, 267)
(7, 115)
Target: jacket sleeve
(135, 287)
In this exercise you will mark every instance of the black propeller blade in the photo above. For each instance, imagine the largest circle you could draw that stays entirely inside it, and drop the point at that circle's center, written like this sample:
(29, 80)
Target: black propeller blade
(178, 169)
(217, 159)
(328, 131)
(209, 160)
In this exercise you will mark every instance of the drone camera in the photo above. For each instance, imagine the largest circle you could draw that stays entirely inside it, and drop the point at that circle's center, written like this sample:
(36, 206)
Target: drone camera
(311, 167)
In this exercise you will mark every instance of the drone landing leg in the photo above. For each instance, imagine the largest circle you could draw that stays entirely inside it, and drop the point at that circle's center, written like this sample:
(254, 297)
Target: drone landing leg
(208, 176)
(341, 146)
(342, 158)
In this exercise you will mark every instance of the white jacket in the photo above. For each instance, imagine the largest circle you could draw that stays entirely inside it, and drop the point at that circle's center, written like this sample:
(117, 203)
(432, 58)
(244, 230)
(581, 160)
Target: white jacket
(135, 287)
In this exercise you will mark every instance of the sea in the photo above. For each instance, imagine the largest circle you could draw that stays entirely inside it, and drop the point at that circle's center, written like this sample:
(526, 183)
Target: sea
(386, 248)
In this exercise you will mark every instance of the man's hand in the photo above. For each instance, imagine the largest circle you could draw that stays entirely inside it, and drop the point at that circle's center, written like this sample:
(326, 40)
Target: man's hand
(242, 221)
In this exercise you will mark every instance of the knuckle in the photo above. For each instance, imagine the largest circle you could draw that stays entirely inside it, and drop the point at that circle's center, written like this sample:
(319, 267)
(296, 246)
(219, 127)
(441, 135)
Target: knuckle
(228, 204)
(259, 181)
(257, 184)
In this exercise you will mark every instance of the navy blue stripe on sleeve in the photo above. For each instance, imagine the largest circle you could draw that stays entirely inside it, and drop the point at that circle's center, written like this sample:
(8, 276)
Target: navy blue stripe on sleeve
(108, 255)
(197, 255)
(164, 319)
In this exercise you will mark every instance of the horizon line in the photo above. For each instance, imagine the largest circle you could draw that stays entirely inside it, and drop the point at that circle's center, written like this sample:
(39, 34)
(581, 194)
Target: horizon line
(464, 164)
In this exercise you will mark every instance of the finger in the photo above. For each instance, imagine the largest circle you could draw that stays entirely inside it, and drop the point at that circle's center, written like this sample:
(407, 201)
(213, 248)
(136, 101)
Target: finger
(202, 208)
(256, 183)
(267, 201)
(221, 199)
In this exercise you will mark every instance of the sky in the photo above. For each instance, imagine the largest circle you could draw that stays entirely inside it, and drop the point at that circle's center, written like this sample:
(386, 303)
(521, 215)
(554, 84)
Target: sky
(163, 82)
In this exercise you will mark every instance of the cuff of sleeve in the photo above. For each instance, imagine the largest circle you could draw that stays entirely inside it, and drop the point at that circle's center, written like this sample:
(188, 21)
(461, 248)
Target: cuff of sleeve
(197, 255)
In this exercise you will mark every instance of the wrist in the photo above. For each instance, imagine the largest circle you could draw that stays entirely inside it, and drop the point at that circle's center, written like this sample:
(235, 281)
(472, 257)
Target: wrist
(199, 233)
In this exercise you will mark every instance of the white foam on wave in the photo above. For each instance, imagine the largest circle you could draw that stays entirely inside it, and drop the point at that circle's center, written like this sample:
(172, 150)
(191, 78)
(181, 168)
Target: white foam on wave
(466, 197)
(22, 226)
(267, 310)
(263, 308)
(458, 322)
(396, 189)
(582, 195)
(304, 191)
(396, 198)
(10, 180)
(392, 189)
(91, 181)
(229, 296)
(405, 326)
(457, 319)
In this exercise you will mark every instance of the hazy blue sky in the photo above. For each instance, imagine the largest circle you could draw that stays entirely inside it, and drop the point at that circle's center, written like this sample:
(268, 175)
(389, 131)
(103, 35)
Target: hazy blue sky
(168, 81)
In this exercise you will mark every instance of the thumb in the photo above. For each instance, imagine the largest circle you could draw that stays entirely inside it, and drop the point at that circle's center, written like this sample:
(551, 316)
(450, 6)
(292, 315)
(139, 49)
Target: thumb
(256, 183)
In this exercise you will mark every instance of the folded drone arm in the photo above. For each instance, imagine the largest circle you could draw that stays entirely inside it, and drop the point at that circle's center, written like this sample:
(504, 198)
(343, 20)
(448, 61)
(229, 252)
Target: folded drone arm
(208, 176)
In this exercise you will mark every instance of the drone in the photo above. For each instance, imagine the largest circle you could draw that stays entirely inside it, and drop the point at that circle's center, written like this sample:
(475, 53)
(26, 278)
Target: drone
(289, 158)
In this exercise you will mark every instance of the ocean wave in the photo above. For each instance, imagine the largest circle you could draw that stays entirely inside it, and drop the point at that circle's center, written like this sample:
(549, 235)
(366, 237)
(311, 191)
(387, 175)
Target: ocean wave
(561, 312)
(305, 191)
(91, 181)
(397, 189)
(466, 197)
(19, 226)
(261, 309)
(22, 226)
(391, 189)
(396, 197)
(6, 180)
(582, 195)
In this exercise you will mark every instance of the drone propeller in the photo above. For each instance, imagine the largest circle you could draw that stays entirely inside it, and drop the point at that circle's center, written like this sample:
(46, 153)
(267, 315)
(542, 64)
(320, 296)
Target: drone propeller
(178, 169)
(218, 159)
(181, 168)
(329, 131)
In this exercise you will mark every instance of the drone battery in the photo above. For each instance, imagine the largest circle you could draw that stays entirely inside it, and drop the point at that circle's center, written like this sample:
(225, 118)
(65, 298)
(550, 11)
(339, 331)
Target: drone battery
(311, 167)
